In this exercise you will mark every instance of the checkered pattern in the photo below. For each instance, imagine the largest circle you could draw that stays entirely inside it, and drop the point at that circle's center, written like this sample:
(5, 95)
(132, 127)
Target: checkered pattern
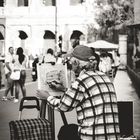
(93, 96)
(30, 129)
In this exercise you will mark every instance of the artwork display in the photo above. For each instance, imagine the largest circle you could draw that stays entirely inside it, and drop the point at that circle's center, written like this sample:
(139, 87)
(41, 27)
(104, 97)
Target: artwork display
(48, 73)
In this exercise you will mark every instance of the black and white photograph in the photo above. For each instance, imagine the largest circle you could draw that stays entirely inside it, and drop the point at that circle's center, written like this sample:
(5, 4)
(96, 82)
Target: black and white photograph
(69, 69)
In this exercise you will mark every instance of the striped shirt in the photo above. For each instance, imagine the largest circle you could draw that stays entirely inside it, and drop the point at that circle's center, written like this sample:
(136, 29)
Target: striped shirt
(93, 95)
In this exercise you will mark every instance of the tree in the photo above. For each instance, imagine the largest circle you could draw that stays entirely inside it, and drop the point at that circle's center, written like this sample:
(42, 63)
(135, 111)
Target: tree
(113, 17)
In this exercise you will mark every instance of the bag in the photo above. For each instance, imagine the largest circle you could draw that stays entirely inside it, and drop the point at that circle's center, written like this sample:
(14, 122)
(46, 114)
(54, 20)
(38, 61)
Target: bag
(68, 131)
(15, 75)
(30, 129)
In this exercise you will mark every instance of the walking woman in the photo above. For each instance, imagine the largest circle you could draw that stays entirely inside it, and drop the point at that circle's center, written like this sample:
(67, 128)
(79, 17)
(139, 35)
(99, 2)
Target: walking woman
(20, 64)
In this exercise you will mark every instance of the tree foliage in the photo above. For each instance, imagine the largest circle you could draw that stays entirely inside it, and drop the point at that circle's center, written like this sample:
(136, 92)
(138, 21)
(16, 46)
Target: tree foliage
(113, 17)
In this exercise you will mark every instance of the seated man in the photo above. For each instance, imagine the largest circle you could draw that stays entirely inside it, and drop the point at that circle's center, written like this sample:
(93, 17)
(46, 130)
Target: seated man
(93, 96)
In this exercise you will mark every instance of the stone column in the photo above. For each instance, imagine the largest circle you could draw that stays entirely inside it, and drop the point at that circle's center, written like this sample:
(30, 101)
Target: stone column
(37, 40)
(123, 51)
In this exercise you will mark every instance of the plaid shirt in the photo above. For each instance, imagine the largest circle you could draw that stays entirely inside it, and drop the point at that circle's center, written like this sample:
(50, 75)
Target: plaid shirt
(94, 97)
(30, 129)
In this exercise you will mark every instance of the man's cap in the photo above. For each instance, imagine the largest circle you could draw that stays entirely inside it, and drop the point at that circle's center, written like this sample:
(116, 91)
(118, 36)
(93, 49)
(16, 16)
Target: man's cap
(82, 52)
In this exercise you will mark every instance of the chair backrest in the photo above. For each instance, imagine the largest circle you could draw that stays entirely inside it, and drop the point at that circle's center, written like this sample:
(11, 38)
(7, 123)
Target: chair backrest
(29, 106)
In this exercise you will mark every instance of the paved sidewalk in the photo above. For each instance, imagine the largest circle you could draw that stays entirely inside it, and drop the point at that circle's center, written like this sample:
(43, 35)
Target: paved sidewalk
(126, 92)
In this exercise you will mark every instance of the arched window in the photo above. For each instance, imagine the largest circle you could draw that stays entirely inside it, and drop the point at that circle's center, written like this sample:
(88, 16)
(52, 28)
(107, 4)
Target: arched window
(23, 3)
(75, 38)
(22, 35)
(48, 35)
(49, 2)
(1, 3)
(49, 40)
(76, 34)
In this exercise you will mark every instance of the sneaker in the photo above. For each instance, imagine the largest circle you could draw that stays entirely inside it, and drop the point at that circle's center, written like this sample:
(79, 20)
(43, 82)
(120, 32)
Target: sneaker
(16, 100)
(12, 98)
(4, 98)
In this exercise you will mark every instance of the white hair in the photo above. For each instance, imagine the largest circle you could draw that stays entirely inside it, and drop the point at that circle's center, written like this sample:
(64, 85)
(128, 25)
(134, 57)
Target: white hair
(80, 62)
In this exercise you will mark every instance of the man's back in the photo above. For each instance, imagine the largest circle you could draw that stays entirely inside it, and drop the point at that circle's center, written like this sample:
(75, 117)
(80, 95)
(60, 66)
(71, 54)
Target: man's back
(98, 114)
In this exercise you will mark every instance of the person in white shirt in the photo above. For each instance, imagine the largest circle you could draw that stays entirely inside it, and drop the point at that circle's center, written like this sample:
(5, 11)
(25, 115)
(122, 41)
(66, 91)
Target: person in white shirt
(20, 64)
(49, 57)
(103, 63)
(9, 64)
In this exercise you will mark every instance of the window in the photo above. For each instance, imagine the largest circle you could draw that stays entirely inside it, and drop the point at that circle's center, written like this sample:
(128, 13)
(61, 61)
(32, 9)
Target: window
(22, 2)
(49, 2)
(48, 35)
(75, 2)
(22, 35)
(1, 3)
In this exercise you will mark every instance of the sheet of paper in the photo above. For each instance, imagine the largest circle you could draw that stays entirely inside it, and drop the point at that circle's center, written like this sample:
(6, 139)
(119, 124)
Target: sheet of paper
(48, 73)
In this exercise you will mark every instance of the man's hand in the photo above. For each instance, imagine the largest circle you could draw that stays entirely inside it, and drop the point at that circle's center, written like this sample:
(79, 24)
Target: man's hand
(42, 94)
(56, 86)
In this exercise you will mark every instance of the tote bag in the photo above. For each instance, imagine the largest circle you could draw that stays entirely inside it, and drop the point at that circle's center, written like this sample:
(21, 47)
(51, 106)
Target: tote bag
(15, 75)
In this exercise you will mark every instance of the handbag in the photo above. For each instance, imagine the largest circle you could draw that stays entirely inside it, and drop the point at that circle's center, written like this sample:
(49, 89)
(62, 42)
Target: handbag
(15, 75)
(68, 131)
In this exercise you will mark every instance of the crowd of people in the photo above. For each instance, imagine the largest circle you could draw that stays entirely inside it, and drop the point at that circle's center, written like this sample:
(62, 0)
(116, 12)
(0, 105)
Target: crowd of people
(90, 91)
(107, 64)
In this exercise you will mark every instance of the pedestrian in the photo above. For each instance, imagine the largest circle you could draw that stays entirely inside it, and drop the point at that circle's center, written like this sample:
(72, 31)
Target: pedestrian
(49, 57)
(9, 64)
(137, 58)
(70, 73)
(103, 63)
(20, 64)
(93, 95)
(2, 71)
(34, 68)
(116, 63)
(59, 59)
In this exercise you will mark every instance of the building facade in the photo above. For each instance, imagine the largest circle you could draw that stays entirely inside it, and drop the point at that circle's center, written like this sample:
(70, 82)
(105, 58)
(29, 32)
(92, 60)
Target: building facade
(36, 25)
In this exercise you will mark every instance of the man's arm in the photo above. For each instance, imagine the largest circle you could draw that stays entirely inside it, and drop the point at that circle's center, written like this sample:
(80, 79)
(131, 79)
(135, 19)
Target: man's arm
(70, 99)
(8, 67)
